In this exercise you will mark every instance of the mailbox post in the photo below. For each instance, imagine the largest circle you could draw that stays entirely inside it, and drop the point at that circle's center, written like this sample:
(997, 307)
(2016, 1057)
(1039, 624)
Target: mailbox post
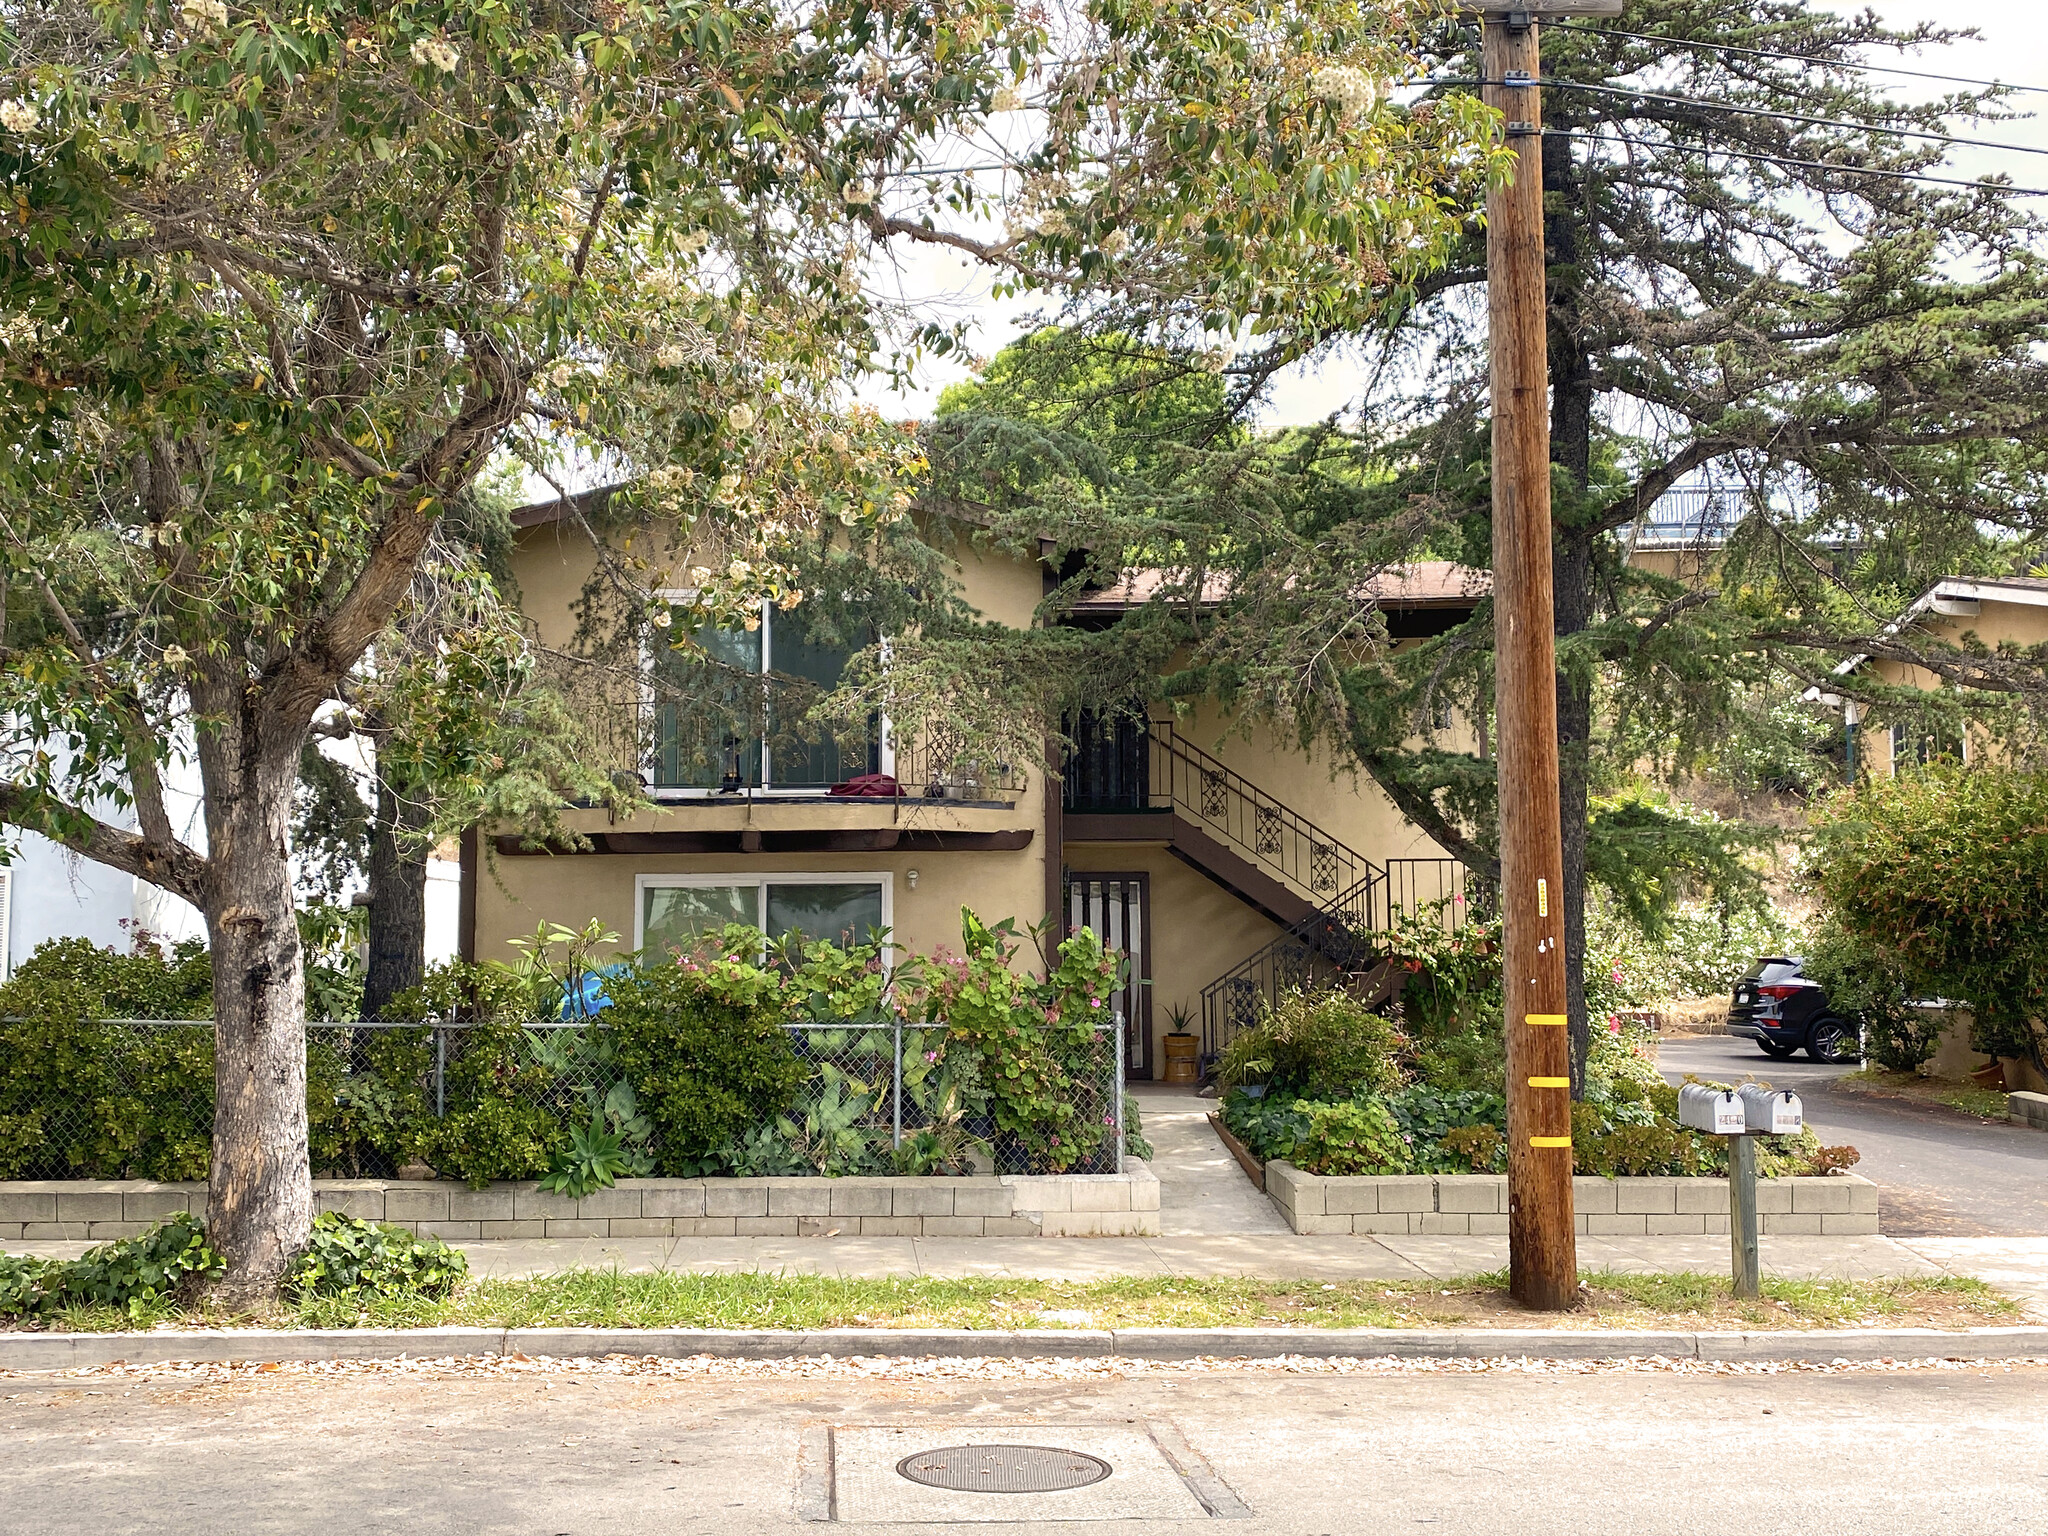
(1741, 1117)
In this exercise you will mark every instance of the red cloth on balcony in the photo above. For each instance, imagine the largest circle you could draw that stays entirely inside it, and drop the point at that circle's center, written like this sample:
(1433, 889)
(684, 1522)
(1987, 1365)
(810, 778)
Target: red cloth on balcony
(869, 786)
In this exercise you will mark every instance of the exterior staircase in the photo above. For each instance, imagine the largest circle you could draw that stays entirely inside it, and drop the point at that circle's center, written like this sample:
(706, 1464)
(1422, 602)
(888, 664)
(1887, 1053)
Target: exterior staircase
(1131, 780)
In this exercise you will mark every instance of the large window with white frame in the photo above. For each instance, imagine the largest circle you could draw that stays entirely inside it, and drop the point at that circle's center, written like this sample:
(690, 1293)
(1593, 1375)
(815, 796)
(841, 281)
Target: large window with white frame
(727, 711)
(673, 912)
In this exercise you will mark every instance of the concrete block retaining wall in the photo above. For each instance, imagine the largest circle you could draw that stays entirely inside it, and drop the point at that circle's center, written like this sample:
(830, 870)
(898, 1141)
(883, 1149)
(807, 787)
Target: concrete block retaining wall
(2028, 1109)
(1476, 1204)
(1039, 1205)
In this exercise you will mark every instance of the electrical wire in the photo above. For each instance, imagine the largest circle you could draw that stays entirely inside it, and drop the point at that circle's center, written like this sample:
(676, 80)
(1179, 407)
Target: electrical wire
(1801, 58)
(1804, 165)
(1794, 117)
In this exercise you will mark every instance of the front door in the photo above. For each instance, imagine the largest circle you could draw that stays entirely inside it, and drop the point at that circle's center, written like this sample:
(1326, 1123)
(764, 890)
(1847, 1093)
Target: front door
(1119, 909)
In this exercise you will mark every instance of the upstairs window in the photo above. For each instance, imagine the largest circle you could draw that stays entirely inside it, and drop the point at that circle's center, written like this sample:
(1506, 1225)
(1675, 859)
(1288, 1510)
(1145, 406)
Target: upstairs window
(728, 714)
(1917, 746)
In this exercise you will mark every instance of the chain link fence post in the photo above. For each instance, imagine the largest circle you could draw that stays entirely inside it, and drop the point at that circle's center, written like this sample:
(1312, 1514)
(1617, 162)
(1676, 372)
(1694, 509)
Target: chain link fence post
(440, 1073)
(896, 1091)
(1119, 1026)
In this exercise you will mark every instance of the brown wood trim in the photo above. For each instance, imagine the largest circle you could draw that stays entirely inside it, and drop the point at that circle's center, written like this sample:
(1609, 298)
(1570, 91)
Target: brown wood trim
(1254, 1169)
(1118, 827)
(470, 861)
(1236, 874)
(820, 840)
(1055, 846)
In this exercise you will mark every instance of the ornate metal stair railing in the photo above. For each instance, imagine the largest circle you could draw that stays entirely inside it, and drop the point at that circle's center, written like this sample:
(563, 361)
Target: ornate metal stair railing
(1339, 945)
(1271, 836)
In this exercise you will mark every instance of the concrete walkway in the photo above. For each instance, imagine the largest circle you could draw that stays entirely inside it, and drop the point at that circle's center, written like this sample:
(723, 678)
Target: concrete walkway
(1202, 1190)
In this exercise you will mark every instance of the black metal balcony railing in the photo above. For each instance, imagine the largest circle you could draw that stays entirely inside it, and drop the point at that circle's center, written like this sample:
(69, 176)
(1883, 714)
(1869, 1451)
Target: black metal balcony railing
(1131, 765)
(681, 752)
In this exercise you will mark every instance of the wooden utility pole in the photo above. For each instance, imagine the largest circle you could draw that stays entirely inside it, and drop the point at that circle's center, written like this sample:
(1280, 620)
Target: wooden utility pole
(1542, 1248)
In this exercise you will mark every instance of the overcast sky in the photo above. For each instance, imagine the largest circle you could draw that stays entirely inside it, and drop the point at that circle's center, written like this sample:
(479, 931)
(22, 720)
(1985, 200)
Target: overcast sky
(2013, 48)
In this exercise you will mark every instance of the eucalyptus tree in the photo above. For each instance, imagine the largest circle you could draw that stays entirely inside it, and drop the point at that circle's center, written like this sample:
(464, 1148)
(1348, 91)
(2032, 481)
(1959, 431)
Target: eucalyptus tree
(282, 280)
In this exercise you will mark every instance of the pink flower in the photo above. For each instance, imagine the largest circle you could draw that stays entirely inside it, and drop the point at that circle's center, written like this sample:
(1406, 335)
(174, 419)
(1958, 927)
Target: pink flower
(1094, 1002)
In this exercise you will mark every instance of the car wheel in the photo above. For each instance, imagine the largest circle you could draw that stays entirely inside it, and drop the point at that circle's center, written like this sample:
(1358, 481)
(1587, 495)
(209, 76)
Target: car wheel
(1774, 1050)
(1831, 1040)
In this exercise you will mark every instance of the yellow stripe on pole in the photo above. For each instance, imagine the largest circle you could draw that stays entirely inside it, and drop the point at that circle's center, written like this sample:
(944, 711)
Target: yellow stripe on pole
(1550, 1141)
(1547, 1020)
(1550, 1082)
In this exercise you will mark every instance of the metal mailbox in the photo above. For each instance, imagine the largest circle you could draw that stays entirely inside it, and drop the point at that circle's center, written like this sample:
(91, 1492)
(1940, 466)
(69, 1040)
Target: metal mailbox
(1715, 1111)
(1772, 1113)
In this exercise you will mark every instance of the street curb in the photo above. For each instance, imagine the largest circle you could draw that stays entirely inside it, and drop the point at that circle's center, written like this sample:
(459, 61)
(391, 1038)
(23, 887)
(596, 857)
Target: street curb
(74, 1351)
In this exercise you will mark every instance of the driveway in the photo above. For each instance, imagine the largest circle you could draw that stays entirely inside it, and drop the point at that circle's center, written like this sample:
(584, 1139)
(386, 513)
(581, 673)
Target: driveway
(1941, 1174)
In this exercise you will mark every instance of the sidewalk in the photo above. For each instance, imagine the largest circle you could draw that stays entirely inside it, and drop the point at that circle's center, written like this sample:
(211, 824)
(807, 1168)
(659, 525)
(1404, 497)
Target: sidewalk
(2018, 1266)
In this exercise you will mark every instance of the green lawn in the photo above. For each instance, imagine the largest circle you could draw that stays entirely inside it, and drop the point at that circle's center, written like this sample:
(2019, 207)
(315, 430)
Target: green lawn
(609, 1299)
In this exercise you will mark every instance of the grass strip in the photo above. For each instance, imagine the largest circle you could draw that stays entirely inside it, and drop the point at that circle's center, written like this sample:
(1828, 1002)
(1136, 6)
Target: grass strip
(610, 1298)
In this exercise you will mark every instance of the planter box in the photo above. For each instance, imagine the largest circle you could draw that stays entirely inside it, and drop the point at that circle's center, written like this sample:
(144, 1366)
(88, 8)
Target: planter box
(1012, 1205)
(1476, 1205)
(2028, 1109)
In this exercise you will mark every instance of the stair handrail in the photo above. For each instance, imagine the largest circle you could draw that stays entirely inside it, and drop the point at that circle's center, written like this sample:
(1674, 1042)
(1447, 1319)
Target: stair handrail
(1366, 909)
(1277, 838)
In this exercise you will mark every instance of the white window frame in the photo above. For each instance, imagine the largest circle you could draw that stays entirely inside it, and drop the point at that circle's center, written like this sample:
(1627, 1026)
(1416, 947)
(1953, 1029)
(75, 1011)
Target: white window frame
(644, 883)
(1908, 748)
(677, 597)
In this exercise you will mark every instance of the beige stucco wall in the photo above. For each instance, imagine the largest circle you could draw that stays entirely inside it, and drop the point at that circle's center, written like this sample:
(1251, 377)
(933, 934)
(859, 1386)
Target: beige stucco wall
(570, 889)
(1996, 624)
(1198, 929)
(515, 892)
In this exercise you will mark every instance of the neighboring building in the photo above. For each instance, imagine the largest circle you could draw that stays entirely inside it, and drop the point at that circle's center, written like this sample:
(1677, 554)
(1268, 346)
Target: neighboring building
(1217, 860)
(1992, 611)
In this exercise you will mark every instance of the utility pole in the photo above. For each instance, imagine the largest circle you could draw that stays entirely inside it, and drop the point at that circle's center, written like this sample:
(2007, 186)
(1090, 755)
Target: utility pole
(1542, 1246)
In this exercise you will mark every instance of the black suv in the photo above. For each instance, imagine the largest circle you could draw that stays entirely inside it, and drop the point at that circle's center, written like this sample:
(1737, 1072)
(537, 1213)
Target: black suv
(1781, 1009)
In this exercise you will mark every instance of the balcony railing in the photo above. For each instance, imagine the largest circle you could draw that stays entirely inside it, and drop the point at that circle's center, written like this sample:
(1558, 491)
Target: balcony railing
(703, 755)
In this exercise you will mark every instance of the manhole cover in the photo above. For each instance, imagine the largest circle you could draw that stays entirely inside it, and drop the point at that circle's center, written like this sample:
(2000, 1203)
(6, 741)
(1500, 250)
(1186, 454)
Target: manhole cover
(1003, 1468)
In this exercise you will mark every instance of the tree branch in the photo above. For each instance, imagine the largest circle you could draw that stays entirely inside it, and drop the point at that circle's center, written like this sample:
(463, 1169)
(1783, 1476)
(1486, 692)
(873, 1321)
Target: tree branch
(167, 864)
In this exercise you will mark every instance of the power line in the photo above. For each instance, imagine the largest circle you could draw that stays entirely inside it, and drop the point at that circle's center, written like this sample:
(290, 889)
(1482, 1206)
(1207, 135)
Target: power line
(1804, 165)
(1795, 117)
(1801, 58)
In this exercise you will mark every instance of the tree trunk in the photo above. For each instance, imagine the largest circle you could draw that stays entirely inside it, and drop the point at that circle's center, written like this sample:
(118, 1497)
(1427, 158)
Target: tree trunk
(398, 899)
(259, 1199)
(1572, 559)
(1572, 575)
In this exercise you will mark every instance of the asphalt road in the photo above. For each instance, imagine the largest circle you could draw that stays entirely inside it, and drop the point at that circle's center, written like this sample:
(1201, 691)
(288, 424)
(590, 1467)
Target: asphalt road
(1941, 1174)
(1527, 1452)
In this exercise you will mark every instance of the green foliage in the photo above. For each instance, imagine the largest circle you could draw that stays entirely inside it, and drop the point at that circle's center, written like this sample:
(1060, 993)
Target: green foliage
(1946, 872)
(1702, 949)
(1357, 1136)
(129, 1274)
(371, 1260)
(1450, 998)
(1317, 1045)
(83, 1098)
(366, 1112)
(498, 1122)
(1036, 1047)
(1650, 850)
(702, 1043)
(1627, 1124)
(1867, 985)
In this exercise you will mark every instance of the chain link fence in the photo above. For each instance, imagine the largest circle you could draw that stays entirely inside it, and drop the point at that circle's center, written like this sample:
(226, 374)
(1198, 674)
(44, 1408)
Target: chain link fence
(133, 1098)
